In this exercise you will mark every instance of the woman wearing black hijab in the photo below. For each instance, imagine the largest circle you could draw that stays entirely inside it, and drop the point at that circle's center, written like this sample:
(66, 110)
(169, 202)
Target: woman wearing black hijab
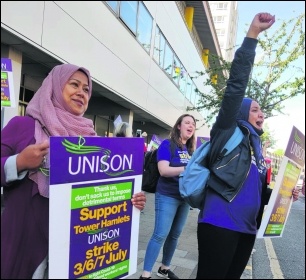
(237, 188)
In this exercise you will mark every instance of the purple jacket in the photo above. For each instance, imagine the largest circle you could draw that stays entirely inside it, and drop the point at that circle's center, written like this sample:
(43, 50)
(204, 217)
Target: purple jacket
(25, 219)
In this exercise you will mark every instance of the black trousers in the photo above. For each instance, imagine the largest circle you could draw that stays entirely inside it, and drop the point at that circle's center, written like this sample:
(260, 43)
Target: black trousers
(223, 253)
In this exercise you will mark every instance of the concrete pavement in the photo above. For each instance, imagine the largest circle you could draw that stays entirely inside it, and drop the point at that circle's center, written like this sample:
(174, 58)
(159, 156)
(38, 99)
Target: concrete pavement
(184, 262)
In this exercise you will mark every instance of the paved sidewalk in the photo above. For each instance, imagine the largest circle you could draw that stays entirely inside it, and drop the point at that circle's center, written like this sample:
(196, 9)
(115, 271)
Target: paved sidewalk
(184, 262)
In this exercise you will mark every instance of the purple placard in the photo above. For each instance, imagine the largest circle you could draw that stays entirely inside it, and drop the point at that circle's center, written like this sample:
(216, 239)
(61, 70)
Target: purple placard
(296, 147)
(6, 64)
(202, 140)
(7, 88)
(156, 139)
(76, 159)
(92, 219)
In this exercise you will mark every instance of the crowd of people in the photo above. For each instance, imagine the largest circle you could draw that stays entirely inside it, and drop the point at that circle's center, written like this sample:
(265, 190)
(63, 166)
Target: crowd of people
(229, 220)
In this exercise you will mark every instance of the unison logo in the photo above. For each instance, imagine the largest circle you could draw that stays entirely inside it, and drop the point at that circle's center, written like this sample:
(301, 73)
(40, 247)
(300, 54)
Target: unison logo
(101, 161)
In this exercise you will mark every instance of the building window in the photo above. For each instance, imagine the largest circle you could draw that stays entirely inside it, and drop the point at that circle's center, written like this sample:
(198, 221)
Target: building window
(159, 47)
(137, 18)
(218, 19)
(28, 94)
(144, 27)
(220, 32)
(221, 6)
(176, 70)
(168, 60)
(113, 5)
(197, 98)
(25, 96)
(128, 14)
(183, 80)
(194, 91)
(191, 91)
(189, 85)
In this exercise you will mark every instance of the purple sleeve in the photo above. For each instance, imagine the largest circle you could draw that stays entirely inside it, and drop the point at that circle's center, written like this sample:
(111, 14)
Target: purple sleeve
(15, 136)
(164, 152)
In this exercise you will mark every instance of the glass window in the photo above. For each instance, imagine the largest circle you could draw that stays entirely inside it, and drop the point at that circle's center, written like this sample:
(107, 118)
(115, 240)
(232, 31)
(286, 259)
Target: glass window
(221, 6)
(218, 19)
(159, 47)
(220, 32)
(156, 49)
(176, 69)
(193, 94)
(183, 80)
(212, 5)
(144, 27)
(21, 94)
(128, 13)
(189, 84)
(113, 5)
(197, 98)
(28, 94)
(168, 60)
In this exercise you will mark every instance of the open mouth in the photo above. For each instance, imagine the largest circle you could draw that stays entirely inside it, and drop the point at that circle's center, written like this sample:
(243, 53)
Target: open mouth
(189, 131)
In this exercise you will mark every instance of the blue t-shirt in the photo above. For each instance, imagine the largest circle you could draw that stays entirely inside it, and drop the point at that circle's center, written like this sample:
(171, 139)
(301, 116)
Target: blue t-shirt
(169, 186)
(240, 214)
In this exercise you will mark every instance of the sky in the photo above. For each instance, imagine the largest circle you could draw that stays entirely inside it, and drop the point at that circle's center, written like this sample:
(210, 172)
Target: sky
(280, 126)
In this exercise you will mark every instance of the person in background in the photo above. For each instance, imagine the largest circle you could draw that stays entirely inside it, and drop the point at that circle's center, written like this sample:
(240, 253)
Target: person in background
(123, 129)
(56, 109)
(145, 148)
(171, 210)
(237, 189)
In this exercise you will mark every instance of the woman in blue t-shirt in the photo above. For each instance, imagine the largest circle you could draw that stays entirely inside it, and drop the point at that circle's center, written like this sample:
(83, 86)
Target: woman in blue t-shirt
(171, 210)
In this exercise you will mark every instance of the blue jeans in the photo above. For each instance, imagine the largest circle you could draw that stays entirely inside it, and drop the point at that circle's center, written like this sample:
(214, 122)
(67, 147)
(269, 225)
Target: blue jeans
(170, 218)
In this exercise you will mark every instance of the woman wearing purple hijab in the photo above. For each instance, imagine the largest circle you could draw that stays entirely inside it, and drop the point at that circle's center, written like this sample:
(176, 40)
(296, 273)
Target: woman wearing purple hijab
(237, 189)
(56, 109)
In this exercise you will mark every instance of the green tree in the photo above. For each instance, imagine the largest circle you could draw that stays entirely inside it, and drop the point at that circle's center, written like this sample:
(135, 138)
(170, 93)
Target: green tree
(275, 76)
(279, 152)
(267, 138)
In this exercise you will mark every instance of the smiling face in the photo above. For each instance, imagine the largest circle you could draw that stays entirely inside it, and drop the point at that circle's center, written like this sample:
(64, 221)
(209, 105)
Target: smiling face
(76, 93)
(187, 128)
(256, 116)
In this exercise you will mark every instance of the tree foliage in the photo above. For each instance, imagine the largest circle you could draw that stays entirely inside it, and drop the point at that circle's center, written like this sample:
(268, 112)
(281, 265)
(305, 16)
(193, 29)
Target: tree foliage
(275, 76)
(267, 138)
(279, 152)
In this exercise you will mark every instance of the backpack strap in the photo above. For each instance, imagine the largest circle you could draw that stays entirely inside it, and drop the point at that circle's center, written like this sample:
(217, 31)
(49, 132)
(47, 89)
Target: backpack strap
(232, 143)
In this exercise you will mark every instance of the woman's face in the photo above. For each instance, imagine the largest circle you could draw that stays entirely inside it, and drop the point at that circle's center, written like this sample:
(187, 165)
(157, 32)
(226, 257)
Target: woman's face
(76, 93)
(256, 116)
(187, 128)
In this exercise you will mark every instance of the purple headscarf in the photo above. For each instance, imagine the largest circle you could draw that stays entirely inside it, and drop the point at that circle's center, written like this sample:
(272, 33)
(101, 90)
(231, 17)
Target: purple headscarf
(243, 119)
(48, 108)
(245, 109)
